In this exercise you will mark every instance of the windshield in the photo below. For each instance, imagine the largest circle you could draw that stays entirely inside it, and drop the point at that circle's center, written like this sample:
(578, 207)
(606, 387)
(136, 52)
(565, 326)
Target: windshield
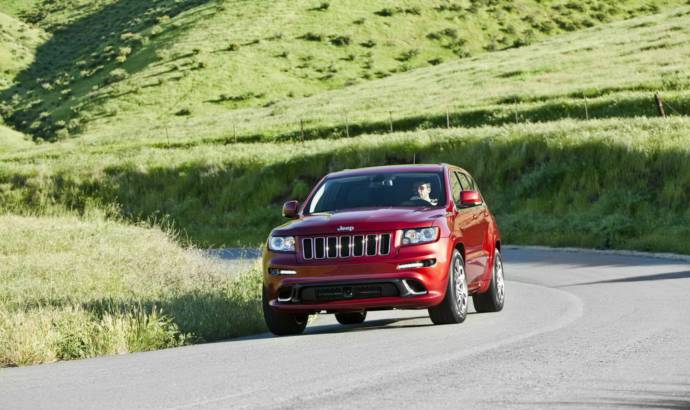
(403, 189)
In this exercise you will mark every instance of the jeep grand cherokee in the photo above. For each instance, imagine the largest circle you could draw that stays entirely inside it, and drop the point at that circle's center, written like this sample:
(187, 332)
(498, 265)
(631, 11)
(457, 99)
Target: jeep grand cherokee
(393, 237)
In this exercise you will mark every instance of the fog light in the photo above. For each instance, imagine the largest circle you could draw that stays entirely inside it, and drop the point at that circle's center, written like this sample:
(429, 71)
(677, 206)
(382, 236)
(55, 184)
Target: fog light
(419, 264)
(279, 272)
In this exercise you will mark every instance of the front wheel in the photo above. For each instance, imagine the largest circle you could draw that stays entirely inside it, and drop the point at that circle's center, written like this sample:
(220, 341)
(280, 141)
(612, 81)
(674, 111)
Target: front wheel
(493, 299)
(281, 323)
(453, 308)
(350, 318)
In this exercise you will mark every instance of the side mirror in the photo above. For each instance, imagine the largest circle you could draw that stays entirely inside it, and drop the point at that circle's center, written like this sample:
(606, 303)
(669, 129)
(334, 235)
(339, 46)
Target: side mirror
(290, 209)
(470, 198)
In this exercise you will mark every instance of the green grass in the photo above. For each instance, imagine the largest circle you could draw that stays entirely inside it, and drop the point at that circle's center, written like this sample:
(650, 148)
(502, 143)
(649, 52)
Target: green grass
(11, 140)
(615, 183)
(17, 8)
(190, 114)
(18, 42)
(617, 67)
(224, 193)
(75, 288)
(208, 58)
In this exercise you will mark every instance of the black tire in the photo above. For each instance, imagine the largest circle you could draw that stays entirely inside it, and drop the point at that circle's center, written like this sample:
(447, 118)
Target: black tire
(280, 323)
(453, 308)
(351, 318)
(493, 299)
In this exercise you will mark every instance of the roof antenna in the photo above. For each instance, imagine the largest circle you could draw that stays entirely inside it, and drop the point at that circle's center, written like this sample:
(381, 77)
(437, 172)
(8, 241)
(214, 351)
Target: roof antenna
(414, 157)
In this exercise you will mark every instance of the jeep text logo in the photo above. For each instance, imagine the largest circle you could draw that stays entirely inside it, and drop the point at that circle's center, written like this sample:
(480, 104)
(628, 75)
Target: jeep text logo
(345, 228)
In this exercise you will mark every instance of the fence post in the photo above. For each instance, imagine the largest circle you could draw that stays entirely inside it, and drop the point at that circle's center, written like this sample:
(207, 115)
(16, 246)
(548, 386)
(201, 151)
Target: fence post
(347, 127)
(301, 128)
(586, 109)
(660, 105)
(447, 118)
(515, 110)
(390, 120)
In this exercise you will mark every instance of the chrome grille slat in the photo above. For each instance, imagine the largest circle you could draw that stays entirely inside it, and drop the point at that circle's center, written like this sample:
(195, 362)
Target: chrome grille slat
(345, 251)
(320, 248)
(346, 246)
(371, 247)
(307, 248)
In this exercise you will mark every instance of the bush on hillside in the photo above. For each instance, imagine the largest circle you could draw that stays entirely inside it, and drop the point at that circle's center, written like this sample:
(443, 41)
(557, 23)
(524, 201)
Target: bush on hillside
(309, 36)
(339, 41)
(116, 75)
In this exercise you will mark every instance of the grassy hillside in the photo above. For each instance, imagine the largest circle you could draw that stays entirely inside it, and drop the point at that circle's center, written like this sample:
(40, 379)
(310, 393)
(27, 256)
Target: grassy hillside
(17, 44)
(222, 193)
(619, 183)
(75, 288)
(191, 114)
(199, 59)
(617, 67)
(17, 8)
(11, 140)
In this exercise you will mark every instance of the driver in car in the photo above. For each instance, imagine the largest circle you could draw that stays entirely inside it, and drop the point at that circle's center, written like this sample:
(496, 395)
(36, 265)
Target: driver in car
(423, 192)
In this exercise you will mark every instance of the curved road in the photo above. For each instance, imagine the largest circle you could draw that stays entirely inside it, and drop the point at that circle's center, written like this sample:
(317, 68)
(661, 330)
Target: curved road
(579, 330)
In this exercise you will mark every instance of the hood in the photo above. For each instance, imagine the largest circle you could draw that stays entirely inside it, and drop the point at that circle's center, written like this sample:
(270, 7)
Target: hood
(361, 221)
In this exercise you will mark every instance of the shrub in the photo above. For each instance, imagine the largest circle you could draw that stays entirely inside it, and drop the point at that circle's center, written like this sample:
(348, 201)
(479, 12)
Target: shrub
(116, 75)
(339, 41)
(309, 36)
(385, 12)
(435, 61)
(156, 30)
(322, 7)
(183, 111)
(368, 44)
(408, 55)
(233, 47)
(131, 37)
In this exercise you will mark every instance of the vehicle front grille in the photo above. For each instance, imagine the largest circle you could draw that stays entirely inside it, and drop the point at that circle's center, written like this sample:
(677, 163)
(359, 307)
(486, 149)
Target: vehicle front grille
(347, 292)
(346, 246)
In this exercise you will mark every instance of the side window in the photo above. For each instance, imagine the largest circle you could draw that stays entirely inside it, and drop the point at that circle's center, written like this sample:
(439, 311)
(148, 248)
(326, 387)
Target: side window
(465, 181)
(455, 186)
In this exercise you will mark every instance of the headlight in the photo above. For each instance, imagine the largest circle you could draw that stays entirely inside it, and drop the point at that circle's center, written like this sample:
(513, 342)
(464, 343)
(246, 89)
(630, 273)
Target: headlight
(281, 243)
(417, 236)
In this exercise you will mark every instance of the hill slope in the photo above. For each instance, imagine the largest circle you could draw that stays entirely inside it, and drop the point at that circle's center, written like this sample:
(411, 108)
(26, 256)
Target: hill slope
(590, 174)
(17, 44)
(201, 58)
(602, 72)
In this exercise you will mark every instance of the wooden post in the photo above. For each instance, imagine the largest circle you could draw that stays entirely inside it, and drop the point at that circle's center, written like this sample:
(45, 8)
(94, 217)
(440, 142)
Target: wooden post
(414, 157)
(301, 128)
(660, 104)
(390, 120)
(515, 110)
(586, 109)
(447, 118)
(347, 127)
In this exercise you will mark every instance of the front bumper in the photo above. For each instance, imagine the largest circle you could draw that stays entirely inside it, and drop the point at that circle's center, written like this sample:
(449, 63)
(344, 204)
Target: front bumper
(324, 285)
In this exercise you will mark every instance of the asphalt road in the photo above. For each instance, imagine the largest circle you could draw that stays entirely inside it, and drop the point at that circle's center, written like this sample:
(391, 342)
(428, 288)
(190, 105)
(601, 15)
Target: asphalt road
(579, 330)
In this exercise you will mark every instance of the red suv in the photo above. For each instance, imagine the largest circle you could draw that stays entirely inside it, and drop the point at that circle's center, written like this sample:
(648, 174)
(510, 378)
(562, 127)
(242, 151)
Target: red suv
(393, 237)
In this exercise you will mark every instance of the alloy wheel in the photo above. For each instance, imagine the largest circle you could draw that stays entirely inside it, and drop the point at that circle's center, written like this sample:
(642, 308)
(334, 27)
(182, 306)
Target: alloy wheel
(461, 294)
(498, 276)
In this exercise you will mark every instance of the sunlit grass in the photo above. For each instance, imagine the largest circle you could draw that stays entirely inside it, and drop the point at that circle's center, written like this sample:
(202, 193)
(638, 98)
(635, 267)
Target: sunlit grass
(189, 63)
(75, 288)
